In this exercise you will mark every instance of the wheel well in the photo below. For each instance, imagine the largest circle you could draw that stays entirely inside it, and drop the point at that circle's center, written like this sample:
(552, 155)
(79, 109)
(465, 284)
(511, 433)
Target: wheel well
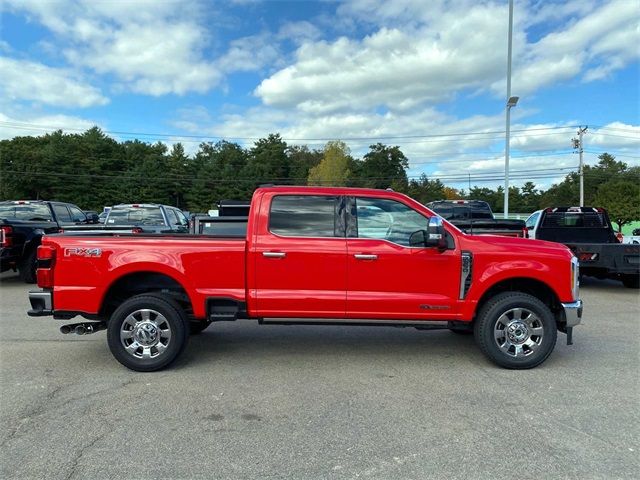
(533, 287)
(143, 282)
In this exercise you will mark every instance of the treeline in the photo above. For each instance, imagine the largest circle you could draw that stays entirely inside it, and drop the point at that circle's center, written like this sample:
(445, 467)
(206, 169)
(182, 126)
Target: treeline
(93, 170)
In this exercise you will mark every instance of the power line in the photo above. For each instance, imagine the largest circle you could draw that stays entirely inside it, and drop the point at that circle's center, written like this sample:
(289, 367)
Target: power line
(33, 126)
(479, 175)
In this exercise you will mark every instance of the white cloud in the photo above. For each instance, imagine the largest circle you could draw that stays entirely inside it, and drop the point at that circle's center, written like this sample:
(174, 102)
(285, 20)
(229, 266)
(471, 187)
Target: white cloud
(448, 49)
(31, 81)
(299, 32)
(149, 47)
(40, 124)
(249, 54)
(602, 41)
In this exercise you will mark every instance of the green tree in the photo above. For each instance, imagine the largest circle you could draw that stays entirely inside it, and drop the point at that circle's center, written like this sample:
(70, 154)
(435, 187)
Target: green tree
(384, 167)
(268, 161)
(333, 170)
(301, 161)
(621, 198)
(425, 190)
(177, 174)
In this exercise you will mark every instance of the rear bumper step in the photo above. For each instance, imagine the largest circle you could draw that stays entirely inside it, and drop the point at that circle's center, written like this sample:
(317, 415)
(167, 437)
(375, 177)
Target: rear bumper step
(41, 303)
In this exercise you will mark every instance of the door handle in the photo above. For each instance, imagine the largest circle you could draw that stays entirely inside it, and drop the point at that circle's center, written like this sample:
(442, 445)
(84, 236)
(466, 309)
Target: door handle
(361, 256)
(274, 254)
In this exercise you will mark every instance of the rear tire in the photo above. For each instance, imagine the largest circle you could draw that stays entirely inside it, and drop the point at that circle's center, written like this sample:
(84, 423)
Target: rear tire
(27, 269)
(516, 330)
(147, 332)
(631, 281)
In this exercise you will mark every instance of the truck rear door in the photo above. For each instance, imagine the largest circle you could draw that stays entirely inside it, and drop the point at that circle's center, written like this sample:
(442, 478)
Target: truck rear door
(300, 257)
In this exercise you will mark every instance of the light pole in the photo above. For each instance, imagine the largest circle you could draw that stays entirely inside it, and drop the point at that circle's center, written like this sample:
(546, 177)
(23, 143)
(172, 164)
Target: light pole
(511, 102)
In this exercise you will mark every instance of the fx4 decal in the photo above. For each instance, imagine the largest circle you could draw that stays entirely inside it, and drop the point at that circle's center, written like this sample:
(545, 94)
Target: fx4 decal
(82, 252)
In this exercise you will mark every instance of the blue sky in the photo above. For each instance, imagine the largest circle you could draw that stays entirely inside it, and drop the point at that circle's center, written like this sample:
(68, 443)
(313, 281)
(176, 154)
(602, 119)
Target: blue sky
(427, 76)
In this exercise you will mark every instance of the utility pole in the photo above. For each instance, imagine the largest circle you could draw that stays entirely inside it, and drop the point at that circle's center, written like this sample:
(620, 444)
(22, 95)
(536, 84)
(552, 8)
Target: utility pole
(511, 102)
(577, 145)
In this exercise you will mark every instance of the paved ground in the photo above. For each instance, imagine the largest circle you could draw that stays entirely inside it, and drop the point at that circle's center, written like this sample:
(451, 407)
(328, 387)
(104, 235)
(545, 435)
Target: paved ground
(249, 401)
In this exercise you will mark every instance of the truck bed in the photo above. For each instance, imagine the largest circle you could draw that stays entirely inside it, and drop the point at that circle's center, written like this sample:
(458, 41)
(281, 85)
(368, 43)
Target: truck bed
(487, 226)
(203, 264)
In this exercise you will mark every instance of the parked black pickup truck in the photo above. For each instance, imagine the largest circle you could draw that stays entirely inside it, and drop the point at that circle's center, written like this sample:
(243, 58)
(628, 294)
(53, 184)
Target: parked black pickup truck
(588, 232)
(476, 218)
(22, 225)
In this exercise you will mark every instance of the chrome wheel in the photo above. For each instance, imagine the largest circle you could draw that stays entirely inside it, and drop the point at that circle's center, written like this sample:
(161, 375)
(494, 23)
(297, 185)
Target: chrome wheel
(518, 332)
(145, 334)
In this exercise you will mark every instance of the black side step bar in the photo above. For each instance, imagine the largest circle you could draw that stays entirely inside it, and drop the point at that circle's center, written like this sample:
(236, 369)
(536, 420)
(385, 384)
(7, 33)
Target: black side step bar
(221, 309)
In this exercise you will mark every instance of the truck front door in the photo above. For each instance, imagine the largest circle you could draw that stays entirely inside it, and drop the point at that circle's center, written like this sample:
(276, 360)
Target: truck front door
(300, 257)
(387, 277)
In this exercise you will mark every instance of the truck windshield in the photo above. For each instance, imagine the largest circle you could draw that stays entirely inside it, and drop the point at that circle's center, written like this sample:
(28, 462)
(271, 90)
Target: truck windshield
(26, 211)
(135, 216)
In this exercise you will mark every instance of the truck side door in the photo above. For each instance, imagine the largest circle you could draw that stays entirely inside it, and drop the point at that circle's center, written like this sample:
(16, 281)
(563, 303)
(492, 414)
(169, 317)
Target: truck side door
(300, 257)
(389, 278)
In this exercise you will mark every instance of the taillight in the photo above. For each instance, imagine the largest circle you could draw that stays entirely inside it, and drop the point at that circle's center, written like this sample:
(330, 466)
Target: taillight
(136, 230)
(587, 256)
(46, 260)
(6, 237)
(620, 237)
(525, 232)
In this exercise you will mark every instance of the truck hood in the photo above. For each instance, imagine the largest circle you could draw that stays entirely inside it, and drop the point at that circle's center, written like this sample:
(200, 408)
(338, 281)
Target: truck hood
(513, 245)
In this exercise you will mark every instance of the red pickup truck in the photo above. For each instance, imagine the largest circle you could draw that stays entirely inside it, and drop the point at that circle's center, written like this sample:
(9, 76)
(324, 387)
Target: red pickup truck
(313, 256)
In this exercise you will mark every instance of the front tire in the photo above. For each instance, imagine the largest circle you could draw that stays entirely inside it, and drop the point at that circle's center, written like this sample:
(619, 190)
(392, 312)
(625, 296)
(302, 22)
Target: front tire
(516, 330)
(147, 332)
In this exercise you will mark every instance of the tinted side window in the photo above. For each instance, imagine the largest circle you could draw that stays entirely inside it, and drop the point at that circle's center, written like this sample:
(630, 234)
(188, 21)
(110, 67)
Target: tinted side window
(387, 220)
(77, 215)
(182, 218)
(305, 216)
(531, 221)
(171, 217)
(62, 213)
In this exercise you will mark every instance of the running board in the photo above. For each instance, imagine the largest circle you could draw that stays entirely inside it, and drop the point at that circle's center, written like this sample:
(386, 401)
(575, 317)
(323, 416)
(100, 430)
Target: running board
(419, 324)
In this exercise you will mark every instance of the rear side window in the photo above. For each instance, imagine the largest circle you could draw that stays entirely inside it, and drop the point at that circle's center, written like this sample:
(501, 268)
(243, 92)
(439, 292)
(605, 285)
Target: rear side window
(574, 220)
(305, 216)
(135, 216)
(26, 211)
(62, 213)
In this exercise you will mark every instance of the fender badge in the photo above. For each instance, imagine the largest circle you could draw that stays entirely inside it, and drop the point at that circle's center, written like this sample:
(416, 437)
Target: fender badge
(434, 307)
(82, 252)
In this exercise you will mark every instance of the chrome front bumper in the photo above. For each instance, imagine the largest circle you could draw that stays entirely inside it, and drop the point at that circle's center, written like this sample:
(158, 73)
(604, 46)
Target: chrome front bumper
(573, 312)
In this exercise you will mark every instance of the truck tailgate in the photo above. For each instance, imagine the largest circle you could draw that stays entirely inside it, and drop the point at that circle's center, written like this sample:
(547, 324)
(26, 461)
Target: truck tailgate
(614, 257)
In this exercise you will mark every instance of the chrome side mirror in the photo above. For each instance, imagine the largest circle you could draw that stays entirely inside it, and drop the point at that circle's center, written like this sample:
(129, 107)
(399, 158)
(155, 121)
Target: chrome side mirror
(436, 234)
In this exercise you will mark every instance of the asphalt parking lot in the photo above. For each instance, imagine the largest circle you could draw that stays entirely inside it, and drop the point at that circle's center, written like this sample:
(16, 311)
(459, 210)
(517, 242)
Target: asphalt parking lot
(314, 402)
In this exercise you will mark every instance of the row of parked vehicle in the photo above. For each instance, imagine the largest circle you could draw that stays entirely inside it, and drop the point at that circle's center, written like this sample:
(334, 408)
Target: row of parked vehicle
(587, 231)
(23, 223)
